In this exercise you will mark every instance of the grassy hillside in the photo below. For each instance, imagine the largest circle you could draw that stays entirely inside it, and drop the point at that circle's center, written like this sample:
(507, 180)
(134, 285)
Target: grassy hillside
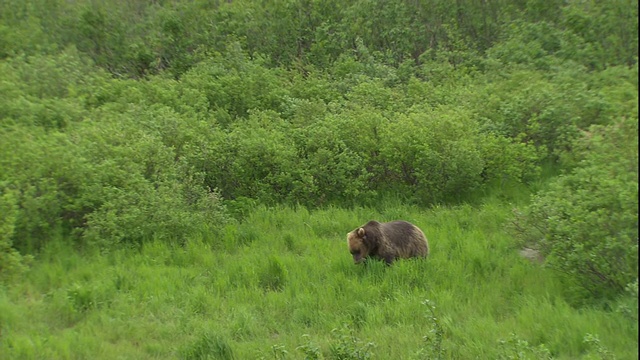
(281, 285)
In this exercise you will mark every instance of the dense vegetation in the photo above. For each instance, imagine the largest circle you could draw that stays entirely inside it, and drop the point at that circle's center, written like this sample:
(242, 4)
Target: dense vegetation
(232, 144)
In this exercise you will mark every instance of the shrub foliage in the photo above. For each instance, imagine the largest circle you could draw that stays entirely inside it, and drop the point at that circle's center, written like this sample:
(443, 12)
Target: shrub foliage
(586, 222)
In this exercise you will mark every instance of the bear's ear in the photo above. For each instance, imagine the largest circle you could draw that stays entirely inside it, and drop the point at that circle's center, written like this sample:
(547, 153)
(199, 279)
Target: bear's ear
(361, 232)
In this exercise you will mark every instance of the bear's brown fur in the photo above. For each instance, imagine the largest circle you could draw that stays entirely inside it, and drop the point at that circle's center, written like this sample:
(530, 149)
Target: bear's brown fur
(387, 241)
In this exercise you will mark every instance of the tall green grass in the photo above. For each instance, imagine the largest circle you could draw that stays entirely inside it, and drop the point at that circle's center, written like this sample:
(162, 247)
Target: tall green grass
(281, 284)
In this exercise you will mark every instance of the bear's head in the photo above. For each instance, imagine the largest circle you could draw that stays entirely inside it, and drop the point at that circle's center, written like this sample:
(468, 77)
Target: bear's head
(357, 240)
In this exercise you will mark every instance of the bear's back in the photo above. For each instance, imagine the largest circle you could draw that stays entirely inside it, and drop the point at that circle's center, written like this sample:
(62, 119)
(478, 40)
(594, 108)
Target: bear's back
(407, 239)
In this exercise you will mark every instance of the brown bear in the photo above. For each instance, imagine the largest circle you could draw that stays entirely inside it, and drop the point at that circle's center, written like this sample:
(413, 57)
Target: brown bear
(387, 241)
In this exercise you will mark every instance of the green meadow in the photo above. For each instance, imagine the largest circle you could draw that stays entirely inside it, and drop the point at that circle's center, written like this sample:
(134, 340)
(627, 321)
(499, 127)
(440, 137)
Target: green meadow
(280, 284)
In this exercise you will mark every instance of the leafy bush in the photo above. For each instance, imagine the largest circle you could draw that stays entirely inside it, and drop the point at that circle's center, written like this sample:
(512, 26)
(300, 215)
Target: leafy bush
(517, 348)
(44, 172)
(348, 346)
(140, 188)
(109, 181)
(235, 85)
(433, 348)
(549, 109)
(435, 154)
(310, 350)
(254, 159)
(586, 223)
(11, 262)
(46, 90)
(506, 158)
(333, 171)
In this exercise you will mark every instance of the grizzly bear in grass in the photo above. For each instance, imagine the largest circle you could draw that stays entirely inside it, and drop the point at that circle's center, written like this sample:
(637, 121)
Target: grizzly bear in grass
(387, 241)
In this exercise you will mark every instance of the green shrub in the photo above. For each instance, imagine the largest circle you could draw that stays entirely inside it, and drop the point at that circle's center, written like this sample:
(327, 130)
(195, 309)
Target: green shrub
(333, 171)
(507, 158)
(117, 179)
(432, 154)
(45, 173)
(433, 348)
(235, 85)
(347, 346)
(254, 159)
(517, 348)
(11, 262)
(586, 222)
(310, 350)
(140, 189)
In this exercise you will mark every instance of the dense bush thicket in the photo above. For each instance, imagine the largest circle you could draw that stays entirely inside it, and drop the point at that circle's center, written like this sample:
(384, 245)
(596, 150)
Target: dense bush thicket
(135, 38)
(124, 121)
(587, 221)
